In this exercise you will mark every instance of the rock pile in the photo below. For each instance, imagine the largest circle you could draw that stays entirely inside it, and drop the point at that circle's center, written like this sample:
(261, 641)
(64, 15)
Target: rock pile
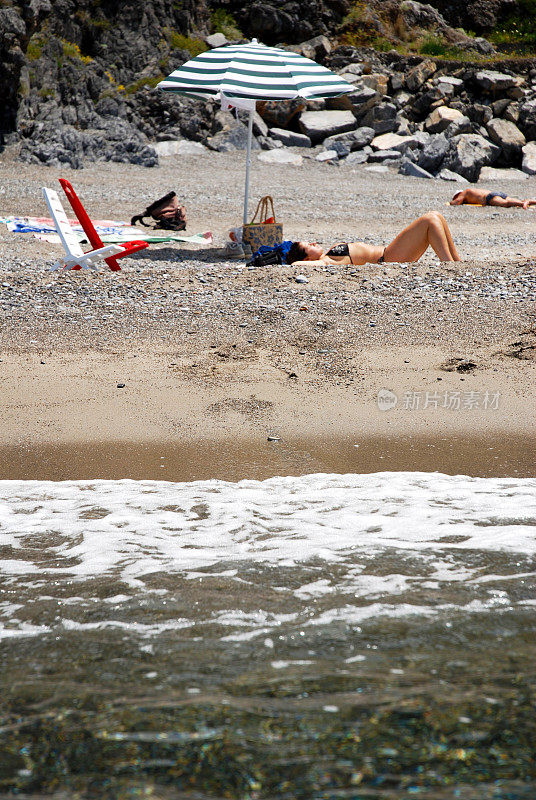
(431, 117)
(430, 120)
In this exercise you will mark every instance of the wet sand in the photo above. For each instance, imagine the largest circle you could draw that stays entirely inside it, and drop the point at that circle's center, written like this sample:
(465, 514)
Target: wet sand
(480, 456)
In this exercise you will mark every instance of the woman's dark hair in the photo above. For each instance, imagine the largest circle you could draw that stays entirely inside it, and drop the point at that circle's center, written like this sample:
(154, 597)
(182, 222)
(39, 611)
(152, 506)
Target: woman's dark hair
(296, 252)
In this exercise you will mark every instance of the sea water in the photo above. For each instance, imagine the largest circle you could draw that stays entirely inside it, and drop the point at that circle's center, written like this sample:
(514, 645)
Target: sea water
(320, 636)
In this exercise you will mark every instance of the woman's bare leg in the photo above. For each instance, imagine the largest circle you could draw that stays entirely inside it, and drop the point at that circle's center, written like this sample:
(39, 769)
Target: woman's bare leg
(429, 230)
(454, 256)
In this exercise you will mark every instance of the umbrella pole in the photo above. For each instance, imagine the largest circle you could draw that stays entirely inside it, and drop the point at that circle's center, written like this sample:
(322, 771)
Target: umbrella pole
(248, 164)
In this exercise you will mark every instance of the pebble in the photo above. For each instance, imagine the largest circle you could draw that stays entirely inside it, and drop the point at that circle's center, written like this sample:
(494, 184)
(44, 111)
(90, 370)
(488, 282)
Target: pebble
(274, 438)
(301, 279)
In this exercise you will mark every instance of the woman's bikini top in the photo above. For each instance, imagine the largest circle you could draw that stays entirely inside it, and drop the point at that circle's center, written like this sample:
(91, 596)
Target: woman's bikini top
(342, 249)
(339, 250)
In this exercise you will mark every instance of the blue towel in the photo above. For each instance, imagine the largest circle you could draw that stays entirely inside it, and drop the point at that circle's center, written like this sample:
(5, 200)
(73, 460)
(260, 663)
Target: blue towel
(282, 248)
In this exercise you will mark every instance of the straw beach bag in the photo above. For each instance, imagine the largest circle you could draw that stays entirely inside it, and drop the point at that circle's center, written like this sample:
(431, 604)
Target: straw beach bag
(266, 231)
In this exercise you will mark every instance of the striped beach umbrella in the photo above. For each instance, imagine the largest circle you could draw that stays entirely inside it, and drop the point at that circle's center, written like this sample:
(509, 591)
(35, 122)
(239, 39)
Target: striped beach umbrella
(244, 73)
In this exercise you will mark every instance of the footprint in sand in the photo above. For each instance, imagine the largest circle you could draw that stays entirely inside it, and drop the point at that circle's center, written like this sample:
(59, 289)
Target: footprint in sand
(458, 365)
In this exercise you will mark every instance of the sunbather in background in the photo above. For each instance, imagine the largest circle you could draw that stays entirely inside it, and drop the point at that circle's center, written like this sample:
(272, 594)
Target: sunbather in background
(482, 197)
(430, 230)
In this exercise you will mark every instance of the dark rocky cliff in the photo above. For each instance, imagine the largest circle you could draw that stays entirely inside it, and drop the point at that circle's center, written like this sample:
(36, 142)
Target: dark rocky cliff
(480, 16)
(60, 58)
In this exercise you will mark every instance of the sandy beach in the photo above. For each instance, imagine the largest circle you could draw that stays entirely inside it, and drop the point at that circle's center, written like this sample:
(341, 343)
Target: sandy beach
(211, 351)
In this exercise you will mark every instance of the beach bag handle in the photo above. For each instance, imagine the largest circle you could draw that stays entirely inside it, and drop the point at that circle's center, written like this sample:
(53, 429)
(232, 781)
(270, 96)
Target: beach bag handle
(263, 209)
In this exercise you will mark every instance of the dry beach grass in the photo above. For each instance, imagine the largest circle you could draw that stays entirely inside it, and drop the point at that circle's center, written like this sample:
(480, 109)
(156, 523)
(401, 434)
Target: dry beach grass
(211, 350)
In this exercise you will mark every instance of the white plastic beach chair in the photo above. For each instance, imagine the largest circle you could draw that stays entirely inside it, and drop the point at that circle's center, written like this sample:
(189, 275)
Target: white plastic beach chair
(75, 258)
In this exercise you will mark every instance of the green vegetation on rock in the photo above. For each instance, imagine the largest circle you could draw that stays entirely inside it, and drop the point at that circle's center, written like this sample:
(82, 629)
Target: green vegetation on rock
(35, 48)
(92, 22)
(177, 41)
(517, 34)
(437, 46)
(134, 87)
(71, 50)
(223, 22)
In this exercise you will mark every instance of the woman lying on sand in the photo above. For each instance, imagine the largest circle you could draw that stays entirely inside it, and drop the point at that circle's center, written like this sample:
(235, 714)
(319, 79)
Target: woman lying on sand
(481, 197)
(430, 230)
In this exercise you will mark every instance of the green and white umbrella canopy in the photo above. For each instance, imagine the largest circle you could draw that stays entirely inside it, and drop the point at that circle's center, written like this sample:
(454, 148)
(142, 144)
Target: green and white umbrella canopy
(249, 72)
(255, 72)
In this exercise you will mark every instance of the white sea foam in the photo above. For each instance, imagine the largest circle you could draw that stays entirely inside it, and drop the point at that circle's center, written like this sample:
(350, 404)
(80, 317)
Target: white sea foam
(142, 526)
(126, 530)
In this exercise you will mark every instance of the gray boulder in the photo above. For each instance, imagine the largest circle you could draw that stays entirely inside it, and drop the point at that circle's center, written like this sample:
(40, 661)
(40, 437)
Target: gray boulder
(281, 156)
(419, 15)
(403, 125)
(422, 137)
(341, 148)
(507, 136)
(420, 74)
(290, 138)
(267, 143)
(382, 118)
(394, 141)
(511, 113)
(318, 125)
(479, 44)
(351, 77)
(494, 174)
(260, 128)
(527, 119)
(358, 157)
(460, 125)
(352, 69)
(499, 106)
(529, 158)
(407, 167)
(423, 101)
(355, 140)
(441, 118)
(468, 153)
(433, 152)
(385, 155)
(327, 155)
(494, 82)
(216, 40)
(448, 85)
(401, 99)
(449, 175)
(316, 49)
(479, 114)
(358, 102)
(396, 82)
(233, 136)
